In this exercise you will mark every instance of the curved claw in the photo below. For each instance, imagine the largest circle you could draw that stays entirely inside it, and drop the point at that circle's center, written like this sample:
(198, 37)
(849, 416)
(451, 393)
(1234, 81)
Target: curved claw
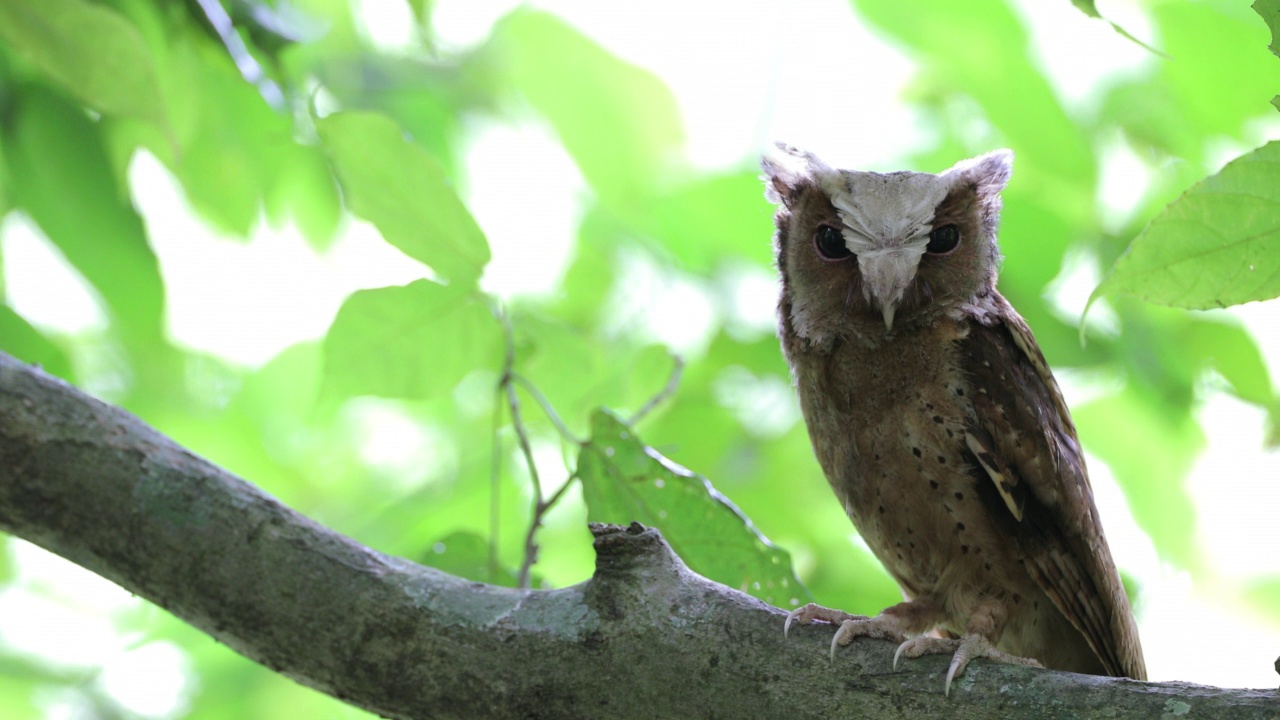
(835, 643)
(786, 627)
(957, 665)
(898, 653)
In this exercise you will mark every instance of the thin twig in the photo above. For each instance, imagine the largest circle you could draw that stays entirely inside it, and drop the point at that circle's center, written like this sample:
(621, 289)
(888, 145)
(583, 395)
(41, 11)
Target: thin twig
(516, 419)
(672, 383)
(545, 404)
(555, 496)
(530, 545)
(495, 486)
(531, 550)
(507, 384)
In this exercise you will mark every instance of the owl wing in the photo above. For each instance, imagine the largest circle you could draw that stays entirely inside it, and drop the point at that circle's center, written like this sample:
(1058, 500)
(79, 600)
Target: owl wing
(1023, 438)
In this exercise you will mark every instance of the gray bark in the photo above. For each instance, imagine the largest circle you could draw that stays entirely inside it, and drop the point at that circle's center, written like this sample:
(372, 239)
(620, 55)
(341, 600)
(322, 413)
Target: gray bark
(644, 637)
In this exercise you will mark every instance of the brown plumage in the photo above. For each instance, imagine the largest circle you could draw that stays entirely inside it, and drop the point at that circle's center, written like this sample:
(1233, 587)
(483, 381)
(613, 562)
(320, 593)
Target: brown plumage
(937, 421)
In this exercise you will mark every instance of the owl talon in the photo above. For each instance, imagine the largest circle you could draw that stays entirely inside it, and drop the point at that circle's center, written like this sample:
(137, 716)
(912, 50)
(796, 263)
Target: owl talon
(965, 649)
(813, 611)
(898, 653)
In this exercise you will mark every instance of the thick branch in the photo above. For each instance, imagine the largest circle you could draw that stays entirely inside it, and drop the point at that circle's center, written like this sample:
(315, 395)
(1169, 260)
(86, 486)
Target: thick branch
(645, 637)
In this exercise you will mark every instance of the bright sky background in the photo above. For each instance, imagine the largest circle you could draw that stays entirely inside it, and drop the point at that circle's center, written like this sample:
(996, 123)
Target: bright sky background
(739, 88)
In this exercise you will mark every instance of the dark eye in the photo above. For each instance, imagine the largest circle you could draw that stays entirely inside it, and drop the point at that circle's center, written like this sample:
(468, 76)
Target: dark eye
(830, 243)
(943, 240)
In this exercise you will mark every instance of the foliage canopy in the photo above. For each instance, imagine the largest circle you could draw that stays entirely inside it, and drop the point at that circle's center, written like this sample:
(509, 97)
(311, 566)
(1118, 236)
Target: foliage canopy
(289, 112)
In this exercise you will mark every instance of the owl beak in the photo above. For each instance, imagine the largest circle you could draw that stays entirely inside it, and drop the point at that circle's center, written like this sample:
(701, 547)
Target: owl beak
(886, 274)
(888, 311)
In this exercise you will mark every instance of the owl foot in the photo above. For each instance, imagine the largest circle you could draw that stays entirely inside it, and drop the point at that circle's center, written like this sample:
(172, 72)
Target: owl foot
(814, 611)
(966, 648)
(851, 626)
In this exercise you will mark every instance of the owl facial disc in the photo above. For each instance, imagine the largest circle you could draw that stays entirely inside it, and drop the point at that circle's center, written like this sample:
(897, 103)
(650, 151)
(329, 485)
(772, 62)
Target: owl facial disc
(887, 220)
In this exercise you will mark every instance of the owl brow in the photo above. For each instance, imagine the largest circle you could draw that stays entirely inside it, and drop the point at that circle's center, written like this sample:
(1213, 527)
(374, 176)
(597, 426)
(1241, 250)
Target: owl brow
(952, 206)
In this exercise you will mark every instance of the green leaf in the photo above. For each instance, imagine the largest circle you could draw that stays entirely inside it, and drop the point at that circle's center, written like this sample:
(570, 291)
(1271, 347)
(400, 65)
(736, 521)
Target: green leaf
(235, 145)
(1214, 42)
(1217, 245)
(625, 481)
(411, 341)
(305, 190)
(21, 340)
(466, 554)
(577, 372)
(69, 188)
(1232, 351)
(705, 221)
(1150, 448)
(89, 49)
(421, 10)
(1270, 12)
(4, 202)
(400, 188)
(1090, 8)
(993, 66)
(619, 122)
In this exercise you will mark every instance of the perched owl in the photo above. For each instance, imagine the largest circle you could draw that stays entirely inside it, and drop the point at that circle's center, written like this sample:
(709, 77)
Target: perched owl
(937, 422)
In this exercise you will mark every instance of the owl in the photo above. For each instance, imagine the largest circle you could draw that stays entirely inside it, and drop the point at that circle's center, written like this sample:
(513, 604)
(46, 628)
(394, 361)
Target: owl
(938, 423)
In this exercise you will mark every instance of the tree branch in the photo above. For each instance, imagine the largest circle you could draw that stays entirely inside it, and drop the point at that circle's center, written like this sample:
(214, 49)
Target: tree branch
(644, 637)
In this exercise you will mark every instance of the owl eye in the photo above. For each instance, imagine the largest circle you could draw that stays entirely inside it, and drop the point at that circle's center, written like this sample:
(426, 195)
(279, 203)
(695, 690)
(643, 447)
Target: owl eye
(943, 240)
(830, 243)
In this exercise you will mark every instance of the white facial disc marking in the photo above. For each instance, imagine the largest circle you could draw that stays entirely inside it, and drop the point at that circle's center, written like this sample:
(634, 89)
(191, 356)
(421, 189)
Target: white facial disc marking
(887, 220)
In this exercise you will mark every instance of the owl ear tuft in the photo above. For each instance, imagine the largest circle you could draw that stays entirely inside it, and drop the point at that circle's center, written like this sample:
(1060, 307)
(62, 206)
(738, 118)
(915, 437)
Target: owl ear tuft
(785, 171)
(989, 173)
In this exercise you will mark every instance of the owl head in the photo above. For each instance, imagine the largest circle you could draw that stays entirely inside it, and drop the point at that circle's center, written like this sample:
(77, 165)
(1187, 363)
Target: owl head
(865, 252)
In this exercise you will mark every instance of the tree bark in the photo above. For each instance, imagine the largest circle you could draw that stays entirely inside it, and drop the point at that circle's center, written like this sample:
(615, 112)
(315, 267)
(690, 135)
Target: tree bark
(644, 637)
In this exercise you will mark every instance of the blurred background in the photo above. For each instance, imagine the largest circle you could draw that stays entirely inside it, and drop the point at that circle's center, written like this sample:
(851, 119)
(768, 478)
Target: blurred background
(183, 253)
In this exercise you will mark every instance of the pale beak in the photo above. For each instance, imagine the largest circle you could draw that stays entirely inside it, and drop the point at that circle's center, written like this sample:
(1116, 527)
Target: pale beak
(888, 311)
(886, 275)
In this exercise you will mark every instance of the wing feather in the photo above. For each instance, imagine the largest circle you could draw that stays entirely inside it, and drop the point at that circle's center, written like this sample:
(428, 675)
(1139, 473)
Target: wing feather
(1025, 442)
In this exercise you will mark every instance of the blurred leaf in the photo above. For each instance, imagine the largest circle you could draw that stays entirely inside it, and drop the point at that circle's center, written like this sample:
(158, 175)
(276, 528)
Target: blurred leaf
(1222, 73)
(4, 202)
(1217, 245)
(282, 392)
(306, 192)
(712, 218)
(624, 481)
(239, 144)
(1151, 114)
(994, 67)
(587, 282)
(89, 49)
(1264, 594)
(421, 10)
(1270, 12)
(1150, 448)
(21, 682)
(1232, 351)
(69, 189)
(576, 371)
(466, 555)
(411, 341)
(21, 340)
(618, 122)
(402, 190)
(1090, 8)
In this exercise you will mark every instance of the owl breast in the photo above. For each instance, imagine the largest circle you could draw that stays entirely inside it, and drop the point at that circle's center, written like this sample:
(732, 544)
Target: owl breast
(906, 479)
